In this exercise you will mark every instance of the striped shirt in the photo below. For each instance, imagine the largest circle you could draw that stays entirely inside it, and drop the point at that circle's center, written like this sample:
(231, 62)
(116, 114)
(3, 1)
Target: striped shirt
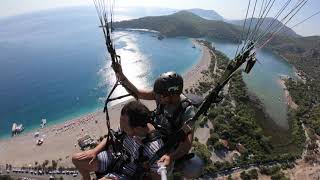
(132, 145)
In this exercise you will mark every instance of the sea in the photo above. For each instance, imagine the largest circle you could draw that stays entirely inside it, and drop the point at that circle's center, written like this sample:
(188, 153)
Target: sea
(54, 66)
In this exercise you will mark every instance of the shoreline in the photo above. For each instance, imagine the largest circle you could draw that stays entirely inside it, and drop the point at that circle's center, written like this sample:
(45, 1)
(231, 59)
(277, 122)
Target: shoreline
(287, 96)
(60, 140)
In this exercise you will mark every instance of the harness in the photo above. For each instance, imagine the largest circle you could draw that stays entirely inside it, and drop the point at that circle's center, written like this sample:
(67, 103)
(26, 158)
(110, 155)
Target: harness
(119, 154)
(175, 121)
(142, 170)
(122, 156)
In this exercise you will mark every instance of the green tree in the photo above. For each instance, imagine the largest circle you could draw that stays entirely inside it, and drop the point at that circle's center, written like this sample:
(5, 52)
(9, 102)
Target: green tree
(279, 176)
(214, 137)
(202, 151)
(244, 176)
(6, 177)
(218, 146)
(45, 163)
(253, 174)
(54, 164)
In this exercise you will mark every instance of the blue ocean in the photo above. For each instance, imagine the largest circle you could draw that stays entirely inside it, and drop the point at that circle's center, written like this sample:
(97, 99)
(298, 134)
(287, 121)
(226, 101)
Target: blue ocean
(53, 65)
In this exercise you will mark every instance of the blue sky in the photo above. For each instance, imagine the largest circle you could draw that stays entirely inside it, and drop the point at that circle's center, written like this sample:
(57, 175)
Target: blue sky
(229, 9)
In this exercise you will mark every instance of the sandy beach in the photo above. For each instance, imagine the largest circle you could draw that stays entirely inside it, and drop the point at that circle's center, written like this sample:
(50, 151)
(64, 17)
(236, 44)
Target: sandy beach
(287, 97)
(60, 140)
(193, 75)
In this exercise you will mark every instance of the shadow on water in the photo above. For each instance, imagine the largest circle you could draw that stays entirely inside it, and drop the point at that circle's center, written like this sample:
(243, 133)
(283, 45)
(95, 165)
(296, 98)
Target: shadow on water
(280, 137)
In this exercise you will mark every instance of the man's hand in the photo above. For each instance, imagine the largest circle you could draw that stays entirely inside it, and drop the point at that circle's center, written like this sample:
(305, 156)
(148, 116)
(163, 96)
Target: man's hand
(90, 154)
(165, 160)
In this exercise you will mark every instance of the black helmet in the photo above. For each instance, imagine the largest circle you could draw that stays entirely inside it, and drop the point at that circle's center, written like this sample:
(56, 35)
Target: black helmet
(169, 83)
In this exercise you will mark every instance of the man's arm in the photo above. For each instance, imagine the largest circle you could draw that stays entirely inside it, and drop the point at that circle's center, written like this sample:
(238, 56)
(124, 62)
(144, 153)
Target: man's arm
(101, 146)
(183, 148)
(90, 155)
(131, 88)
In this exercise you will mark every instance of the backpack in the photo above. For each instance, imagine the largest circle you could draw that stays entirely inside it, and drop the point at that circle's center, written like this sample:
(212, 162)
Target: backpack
(194, 99)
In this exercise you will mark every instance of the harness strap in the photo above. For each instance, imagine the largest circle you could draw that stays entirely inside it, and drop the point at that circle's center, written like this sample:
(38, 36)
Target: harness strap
(141, 172)
(183, 105)
(152, 136)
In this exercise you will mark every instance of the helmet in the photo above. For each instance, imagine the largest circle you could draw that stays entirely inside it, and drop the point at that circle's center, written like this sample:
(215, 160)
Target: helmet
(169, 83)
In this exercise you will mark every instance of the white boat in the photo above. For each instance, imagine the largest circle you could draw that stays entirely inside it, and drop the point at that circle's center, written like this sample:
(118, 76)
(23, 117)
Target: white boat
(19, 128)
(43, 122)
(14, 126)
(16, 129)
(13, 131)
(36, 134)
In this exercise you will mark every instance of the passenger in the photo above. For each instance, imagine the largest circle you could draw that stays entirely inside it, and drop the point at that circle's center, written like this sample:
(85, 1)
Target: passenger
(138, 144)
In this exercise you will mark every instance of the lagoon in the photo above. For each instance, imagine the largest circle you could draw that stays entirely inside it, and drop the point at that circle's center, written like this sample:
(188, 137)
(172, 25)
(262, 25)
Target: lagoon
(263, 80)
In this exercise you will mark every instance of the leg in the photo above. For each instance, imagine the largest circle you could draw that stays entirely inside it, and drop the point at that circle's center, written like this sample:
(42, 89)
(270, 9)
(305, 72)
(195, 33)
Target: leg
(191, 168)
(115, 176)
(83, 165)
(104, 178)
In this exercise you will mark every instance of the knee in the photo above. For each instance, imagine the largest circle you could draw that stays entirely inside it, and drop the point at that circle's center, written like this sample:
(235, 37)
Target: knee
(104, 178)
(76, 159)
(83, 163)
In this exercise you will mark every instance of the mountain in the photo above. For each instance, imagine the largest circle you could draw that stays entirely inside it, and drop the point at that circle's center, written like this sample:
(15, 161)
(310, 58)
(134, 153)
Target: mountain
(138, 12)
(302, 52)
(267, 22)
(206, 14)
(184, 23)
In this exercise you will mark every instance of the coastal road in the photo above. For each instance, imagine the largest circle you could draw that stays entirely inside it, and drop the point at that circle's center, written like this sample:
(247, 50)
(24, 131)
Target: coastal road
(215, 63)
(304, 153)
(43, 177)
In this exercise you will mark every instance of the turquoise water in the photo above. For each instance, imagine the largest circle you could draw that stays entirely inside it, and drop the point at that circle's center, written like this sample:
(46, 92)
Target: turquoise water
(53, 65)
(263, 80)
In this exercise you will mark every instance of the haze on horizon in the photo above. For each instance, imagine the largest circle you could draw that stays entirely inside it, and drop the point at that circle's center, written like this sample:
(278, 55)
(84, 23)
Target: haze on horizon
(229, 9)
